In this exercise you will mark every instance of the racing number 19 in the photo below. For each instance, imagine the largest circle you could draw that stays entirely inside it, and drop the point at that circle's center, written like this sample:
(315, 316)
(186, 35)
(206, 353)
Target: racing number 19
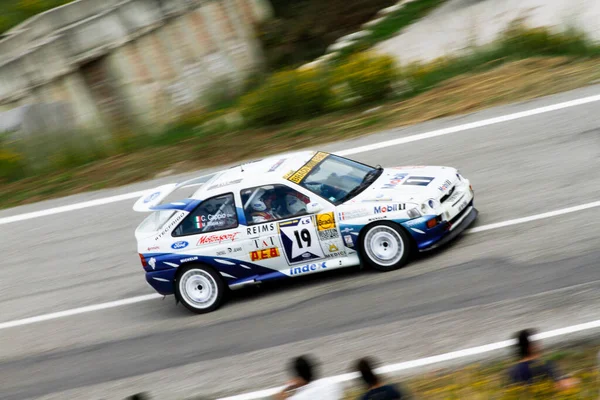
(303, 236)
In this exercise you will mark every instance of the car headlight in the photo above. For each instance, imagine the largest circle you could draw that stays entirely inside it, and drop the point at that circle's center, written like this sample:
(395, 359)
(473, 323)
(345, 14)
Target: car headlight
(429, 205)
(414, 213)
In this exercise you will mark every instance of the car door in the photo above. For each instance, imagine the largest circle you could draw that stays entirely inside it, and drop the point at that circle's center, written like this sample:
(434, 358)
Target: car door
(212, 229)
(293, 236)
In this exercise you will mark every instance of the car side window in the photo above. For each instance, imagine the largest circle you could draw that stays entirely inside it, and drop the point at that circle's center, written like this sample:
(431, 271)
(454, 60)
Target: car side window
(214, 214)
(272, 203)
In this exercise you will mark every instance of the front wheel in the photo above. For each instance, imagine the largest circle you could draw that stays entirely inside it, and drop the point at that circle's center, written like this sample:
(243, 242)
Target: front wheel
(200, 289)
(385, 246)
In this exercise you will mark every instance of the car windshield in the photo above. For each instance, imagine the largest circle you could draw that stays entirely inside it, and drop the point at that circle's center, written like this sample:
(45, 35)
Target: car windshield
(339, 179)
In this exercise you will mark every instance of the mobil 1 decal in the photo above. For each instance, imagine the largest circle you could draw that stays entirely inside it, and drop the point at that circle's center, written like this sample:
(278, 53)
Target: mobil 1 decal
(300, 240)
(418, 180)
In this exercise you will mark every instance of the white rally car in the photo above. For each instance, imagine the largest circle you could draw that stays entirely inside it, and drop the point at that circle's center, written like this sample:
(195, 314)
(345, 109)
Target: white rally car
(293, 215)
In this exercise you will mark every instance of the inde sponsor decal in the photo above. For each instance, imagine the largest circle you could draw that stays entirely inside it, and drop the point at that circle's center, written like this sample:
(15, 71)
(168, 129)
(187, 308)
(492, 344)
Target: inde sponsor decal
(389, 208)
(264, 254)
(212, 239)
(307, 268)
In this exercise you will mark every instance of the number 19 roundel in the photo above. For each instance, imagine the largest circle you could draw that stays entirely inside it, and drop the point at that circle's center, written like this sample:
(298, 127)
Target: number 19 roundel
(300, 240)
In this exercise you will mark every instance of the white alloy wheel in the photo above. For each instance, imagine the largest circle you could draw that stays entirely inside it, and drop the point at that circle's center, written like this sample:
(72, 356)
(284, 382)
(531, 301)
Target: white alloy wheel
(385, 246)
(200, 289)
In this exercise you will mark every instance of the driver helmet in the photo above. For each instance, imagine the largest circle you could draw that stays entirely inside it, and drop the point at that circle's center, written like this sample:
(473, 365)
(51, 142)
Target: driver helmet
(258, 203)
(294, 205)
(210, 208)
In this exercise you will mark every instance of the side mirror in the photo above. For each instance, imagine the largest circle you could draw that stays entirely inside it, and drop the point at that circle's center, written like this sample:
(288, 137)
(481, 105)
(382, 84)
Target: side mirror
(314, 208)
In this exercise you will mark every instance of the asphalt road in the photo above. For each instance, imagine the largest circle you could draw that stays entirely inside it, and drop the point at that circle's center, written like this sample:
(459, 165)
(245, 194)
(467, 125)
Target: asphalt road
(480, 289)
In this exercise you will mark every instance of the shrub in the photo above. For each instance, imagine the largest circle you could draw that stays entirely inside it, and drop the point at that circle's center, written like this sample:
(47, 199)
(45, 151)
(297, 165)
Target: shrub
(303, 29)
(370, 77)
(221, 94)
(12, 166)
(520, 40)
(286, 96)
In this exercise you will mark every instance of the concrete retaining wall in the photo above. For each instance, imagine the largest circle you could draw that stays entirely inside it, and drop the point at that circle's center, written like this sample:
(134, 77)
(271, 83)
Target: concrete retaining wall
(129, 60)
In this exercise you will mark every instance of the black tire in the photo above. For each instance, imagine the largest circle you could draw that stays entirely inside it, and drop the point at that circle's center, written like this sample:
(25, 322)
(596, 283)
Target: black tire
(200, 288)
(380, 243)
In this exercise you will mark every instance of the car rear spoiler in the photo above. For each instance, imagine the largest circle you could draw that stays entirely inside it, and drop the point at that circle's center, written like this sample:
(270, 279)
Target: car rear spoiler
(153, 197)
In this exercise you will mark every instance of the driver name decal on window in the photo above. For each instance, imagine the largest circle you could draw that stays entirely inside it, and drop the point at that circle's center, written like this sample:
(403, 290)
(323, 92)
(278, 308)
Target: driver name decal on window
(218, 219)
(214, 214)
(302, 172)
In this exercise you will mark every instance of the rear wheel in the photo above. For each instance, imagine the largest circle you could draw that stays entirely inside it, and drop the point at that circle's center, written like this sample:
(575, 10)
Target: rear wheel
(200, 288)
(385, 246)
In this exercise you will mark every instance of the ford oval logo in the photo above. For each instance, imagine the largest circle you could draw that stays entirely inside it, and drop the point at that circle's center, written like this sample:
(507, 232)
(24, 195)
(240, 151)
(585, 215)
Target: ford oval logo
(151, 197)
(179, 245)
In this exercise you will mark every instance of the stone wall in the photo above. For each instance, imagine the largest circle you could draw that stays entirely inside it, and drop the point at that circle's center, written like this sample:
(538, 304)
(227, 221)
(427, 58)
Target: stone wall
(146, 61)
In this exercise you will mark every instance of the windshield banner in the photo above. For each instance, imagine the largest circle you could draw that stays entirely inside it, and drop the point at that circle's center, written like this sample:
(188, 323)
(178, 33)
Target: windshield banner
(302, 172)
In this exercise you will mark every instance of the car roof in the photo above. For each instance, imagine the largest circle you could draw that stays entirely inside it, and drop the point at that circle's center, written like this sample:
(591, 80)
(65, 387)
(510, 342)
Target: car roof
(265, 171)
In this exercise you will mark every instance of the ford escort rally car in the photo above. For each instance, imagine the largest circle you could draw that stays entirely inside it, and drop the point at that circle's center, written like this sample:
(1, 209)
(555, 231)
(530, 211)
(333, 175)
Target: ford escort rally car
(292, 215)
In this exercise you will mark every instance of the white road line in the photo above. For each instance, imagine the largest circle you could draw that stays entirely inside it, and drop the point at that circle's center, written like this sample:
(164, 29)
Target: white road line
(471, 125)
(118, 303)
(71, 207)
(347, 152)
(421, 362)
(533, 217)
(80, 310)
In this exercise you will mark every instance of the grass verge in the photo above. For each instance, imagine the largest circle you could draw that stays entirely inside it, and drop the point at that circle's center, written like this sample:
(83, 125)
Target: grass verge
(489, 380)
(207, 147)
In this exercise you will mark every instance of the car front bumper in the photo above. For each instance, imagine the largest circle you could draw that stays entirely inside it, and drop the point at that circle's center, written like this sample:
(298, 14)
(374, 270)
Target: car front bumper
(453, 228)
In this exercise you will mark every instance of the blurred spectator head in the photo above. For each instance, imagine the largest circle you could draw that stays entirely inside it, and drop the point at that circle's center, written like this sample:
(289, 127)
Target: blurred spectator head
(138, 396)
(304, 368)
(365, 367)
(525, 346)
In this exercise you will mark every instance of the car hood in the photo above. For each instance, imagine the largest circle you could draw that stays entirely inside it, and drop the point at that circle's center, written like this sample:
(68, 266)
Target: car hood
(409, 184)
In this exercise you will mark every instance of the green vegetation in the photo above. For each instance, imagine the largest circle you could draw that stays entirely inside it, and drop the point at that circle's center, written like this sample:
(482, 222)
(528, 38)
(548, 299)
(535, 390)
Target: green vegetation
(294, 95)
(392, 24)
(303, 29)
(518, 42)
(489, 380)
(298, 108)
(13, 12)
(363, 78)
